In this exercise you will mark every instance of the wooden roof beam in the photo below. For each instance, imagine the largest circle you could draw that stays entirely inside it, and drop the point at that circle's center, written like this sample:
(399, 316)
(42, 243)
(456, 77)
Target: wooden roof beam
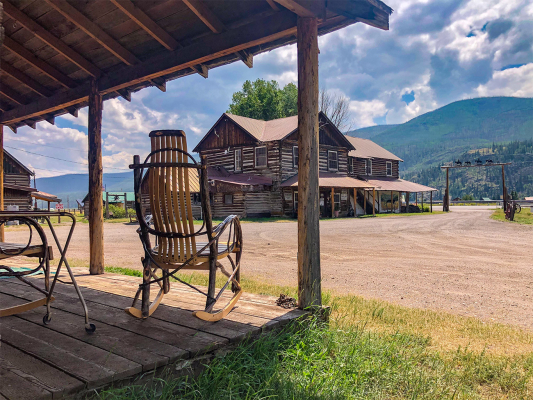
(12, 94)
(215, 24)
(372, 12)
(152, 28)
(50, 39)
(90, 28)
(201, 50)
(302, 8)
(8, 69)
(41, 65)
(273, 5)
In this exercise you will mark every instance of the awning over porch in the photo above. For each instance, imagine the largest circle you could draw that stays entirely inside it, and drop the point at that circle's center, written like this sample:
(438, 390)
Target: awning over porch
(220, 174)
(46, 197)
(398, 185)
(331, 180)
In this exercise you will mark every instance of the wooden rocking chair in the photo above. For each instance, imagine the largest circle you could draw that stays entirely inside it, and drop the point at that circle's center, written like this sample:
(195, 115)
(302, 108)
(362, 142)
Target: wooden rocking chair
(178, 245)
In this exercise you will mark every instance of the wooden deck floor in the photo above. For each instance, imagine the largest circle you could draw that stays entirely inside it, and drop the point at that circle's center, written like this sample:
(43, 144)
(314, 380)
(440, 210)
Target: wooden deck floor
(61, 359)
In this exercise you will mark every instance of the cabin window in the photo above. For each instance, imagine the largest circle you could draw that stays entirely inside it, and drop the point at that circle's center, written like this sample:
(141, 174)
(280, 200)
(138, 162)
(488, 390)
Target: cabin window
(228, 199)
(238, 160)
(260, 157)
(368, 166)
(389, 168)
(350, 165)
(295, 156)
(295, 200)
(333, 161)
(196, 200)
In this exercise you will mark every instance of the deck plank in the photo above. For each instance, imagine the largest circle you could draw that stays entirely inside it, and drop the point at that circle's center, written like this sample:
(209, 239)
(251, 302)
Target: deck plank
(14, 386)
(30, 368)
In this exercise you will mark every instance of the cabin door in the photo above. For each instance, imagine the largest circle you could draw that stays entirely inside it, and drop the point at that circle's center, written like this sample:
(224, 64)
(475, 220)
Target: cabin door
(325, 204)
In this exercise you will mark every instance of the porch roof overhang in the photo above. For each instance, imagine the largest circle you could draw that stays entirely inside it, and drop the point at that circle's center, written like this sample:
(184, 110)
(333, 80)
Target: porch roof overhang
(53, 49)
(398, 185)
(243, 179)
(46, 197)
(19, 188)
(332, 180)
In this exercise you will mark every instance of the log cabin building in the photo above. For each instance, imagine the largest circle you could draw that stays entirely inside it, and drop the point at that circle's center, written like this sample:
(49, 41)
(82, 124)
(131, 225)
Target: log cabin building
(17, 183)
(253, 170)
(254, 167)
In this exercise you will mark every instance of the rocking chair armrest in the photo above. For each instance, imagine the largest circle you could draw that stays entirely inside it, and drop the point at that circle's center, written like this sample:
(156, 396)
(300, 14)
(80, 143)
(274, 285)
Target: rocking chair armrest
(220, 228)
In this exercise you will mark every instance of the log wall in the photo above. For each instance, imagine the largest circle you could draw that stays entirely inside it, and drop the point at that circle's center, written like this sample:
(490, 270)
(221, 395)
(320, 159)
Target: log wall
(379, 167)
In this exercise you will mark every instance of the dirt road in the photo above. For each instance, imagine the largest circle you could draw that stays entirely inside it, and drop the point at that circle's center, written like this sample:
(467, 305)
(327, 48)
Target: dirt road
(462, 262)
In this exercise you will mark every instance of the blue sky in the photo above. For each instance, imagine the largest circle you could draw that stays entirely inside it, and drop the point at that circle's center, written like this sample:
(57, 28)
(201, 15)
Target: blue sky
(436, 52)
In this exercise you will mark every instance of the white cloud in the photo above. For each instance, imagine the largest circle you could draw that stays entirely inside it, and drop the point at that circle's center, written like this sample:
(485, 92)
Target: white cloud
(364, 112)
(511, 82)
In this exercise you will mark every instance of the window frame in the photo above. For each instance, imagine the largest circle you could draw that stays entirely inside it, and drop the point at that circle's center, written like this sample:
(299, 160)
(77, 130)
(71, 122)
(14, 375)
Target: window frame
(368, 166)
(255, 157)
(336, 160)
(295, 156)
(237, 151)
(350, 165)
(335, 202)
(295, 200)
(387, 168)
(225, 199)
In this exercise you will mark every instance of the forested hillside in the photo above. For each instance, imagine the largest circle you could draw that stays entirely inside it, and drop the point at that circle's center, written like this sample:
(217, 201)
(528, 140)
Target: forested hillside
(439, 136)
(486, 181)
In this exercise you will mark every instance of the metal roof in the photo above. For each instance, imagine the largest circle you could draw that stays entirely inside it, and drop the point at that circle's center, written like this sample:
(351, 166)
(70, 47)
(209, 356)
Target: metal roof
(329, 179)
(398, 185)
(220, 174)
(366, 148)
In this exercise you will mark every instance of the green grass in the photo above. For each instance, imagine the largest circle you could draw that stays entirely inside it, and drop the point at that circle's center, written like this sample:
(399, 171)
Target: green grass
(525, 217)
(372, 349)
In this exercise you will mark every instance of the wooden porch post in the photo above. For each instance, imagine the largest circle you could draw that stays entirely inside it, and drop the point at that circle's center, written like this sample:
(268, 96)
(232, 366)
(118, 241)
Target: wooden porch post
(309, 276)
(446, 200)
(399, 202)
(391, 202)
(332, 202)
(355, 202)
(430, 201)
(504, 190)
(407, 195)
(422, 201)
(374, 201)
(96, 216)
(2, 237)
(364, 201)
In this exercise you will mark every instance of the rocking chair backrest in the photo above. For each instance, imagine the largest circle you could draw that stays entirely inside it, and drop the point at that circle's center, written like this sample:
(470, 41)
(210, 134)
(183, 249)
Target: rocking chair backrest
(170, 196)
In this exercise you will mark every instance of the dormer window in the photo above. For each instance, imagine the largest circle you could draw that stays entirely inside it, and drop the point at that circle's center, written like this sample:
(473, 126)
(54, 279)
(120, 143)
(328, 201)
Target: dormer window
(295, 156)
(238, 160)
(389, 168)
(333, 160)
(368, 166)
(261, 157)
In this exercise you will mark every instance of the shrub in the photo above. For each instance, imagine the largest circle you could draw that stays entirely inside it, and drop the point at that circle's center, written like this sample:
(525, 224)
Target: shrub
(116, 212)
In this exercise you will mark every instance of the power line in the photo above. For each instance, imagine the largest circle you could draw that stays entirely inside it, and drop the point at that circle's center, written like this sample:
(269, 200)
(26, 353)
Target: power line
(46, 145)
(59, 159)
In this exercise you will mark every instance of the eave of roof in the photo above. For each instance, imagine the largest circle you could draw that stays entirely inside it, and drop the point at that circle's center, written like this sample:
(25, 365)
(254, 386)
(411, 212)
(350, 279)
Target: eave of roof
(46, 197)
(366, 148)
(18, 187)
(329, 179)
(398, 185)
(31, 173)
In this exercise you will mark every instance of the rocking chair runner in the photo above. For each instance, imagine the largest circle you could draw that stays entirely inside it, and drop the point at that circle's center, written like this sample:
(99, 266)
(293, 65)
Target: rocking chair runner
(178, 245)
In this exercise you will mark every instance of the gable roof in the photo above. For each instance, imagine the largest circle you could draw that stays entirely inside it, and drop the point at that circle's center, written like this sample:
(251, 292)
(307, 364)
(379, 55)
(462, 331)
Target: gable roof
(267, 131)
(366, 148)
(17, 162)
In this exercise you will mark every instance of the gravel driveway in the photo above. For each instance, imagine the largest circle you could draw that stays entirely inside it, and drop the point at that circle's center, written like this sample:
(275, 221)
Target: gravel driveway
(462, 262)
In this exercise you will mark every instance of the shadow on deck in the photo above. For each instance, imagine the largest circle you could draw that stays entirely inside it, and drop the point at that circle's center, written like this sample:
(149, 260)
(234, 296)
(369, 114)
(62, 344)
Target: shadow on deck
(61, 359)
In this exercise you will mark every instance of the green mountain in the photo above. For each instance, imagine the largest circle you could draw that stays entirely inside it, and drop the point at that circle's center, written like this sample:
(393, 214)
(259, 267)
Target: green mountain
(371, 131)
(441, 135)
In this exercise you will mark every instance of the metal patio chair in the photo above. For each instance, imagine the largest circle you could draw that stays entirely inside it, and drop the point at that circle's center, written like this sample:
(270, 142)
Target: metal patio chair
(178, 246)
